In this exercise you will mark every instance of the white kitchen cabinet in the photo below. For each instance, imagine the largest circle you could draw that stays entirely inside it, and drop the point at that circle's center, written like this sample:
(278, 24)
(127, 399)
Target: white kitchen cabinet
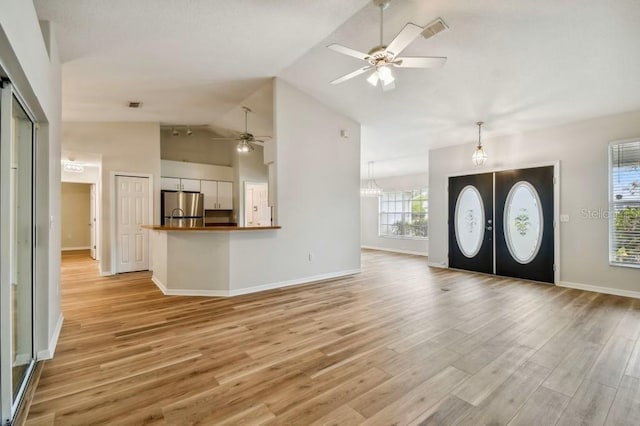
(225, 195)
(218, 195)
(177, 184)
(209, 189)
(170, 184)
(191, 185)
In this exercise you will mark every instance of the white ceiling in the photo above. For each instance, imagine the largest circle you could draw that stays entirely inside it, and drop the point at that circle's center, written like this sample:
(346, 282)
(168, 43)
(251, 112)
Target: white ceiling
(517, 65)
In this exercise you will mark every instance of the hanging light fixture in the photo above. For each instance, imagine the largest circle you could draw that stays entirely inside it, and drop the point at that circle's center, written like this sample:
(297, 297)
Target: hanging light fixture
(371, 189)
(479, 156)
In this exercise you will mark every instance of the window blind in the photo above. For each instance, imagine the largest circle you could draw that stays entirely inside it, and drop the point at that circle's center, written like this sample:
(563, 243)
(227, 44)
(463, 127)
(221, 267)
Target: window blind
(624, 207)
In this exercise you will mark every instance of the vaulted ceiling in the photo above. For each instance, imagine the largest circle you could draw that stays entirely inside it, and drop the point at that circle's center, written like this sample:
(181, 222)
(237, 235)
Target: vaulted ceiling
(515, 65)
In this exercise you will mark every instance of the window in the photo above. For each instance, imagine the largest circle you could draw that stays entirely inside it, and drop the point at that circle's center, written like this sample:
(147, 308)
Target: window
(624, 208)
(404, 214)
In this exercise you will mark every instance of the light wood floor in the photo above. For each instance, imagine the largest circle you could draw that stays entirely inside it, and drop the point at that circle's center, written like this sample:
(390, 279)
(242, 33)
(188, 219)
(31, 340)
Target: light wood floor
(398, 344)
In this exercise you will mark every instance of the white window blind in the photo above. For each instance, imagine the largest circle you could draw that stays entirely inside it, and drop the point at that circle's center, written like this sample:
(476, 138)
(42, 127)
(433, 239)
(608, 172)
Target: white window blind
(624, 208)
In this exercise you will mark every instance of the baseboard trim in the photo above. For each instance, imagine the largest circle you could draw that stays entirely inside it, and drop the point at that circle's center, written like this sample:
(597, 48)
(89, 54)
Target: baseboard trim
(255, 289)
(416, 253)
(75, 248)
(51, 350)
(437, 265)
(294, 282)
(598, 289)
(106, 273)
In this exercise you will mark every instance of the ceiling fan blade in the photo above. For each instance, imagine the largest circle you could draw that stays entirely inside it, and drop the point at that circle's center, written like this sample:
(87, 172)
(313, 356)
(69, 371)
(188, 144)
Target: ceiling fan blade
(434, 28)
(352, 74)
(409, 33)
(419, 62)
(348, 51)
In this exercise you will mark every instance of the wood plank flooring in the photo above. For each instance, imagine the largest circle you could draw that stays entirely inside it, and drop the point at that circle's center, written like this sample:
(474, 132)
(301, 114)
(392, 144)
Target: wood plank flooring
(400, 343)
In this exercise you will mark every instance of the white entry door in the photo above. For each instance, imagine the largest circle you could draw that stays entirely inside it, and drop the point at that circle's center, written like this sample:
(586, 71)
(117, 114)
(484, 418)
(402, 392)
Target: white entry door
(132, 207)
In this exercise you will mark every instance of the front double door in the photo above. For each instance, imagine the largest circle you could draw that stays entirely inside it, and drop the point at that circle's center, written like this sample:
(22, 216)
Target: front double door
(503, 223)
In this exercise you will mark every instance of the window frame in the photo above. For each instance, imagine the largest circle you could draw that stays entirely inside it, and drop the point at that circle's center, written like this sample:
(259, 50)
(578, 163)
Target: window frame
(611, 216)
(403, 212)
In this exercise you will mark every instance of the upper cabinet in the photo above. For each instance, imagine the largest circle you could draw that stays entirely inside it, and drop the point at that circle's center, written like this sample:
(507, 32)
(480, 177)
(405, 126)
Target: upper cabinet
(218, 195)
(177, 184)
(170, 184)
(190, 185)
(225, 195)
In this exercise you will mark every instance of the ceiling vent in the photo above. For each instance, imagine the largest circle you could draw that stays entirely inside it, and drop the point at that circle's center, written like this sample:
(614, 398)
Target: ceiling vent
(135, 104)
(434, 28)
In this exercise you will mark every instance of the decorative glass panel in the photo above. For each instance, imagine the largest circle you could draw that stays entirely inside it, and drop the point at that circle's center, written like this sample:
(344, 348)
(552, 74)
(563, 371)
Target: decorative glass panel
(523, 222)
(469, 221)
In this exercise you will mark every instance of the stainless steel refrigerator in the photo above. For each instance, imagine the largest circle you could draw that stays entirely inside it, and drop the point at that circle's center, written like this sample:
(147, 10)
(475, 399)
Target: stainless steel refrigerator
(184, 209)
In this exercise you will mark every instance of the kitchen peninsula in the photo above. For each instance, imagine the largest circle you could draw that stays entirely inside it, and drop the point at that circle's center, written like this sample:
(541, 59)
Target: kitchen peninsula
(198, 261)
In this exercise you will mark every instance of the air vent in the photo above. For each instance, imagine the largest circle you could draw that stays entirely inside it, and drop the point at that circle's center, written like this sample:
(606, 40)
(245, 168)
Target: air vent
(434, 28)
(135, 104)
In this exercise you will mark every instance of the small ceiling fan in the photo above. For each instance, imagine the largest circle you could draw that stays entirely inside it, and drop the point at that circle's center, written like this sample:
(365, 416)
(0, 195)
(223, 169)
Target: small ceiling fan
(245, 140)
(381, 58)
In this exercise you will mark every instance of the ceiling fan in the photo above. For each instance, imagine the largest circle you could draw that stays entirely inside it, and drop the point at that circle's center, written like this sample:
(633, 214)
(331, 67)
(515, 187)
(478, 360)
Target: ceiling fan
(245, 140)
(382, 58)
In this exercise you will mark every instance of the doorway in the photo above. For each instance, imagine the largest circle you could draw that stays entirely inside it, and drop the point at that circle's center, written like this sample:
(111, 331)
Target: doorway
(256, 204)
(78, 225)
(503, 223)
(132, 211)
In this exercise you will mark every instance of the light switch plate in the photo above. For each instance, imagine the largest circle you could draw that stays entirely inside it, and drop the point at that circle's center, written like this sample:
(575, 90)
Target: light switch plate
(564, 218)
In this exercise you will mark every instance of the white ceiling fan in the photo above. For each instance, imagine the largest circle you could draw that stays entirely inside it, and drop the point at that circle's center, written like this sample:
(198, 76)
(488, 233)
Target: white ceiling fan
(246, 140)
(382, 58)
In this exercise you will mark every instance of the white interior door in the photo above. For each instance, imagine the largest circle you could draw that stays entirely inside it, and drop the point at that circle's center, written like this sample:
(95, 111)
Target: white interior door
(132, 207)
(92, 220)
(256, 204)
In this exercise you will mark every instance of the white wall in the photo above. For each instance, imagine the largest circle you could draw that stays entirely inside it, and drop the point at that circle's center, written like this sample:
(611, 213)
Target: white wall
(582, 149)
(197, 148)
(369, 217)
(29, 56)
(125, 147)
(317, 200)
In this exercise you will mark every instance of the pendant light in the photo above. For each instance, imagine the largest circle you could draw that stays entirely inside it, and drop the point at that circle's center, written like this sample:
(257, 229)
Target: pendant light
(479, 156)
(371, 188)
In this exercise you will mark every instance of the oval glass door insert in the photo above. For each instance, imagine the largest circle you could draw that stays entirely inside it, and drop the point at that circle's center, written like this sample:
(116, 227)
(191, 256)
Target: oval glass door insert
(469, 221)
(523, 222)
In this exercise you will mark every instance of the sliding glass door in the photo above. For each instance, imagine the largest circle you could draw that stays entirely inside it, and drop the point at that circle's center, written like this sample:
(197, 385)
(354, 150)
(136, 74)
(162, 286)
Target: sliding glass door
(17, 135)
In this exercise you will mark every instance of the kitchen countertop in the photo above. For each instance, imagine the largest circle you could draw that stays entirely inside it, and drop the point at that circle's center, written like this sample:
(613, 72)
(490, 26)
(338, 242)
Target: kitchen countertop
(209, 228)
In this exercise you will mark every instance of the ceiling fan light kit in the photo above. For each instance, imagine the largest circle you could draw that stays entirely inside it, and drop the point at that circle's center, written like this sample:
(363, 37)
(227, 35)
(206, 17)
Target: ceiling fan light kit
(246, 141)
(382, 57)
(479, 156)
